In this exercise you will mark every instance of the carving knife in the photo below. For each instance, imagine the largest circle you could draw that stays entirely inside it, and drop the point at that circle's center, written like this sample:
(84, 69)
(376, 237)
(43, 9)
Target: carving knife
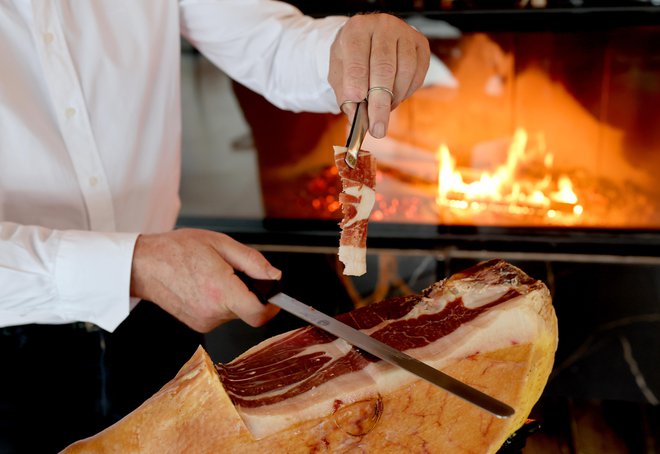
(268, 290)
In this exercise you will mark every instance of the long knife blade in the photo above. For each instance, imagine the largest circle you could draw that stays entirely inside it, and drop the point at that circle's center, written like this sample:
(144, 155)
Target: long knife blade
(391, 355)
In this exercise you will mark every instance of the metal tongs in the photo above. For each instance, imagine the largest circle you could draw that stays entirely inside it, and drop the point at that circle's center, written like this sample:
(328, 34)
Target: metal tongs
(356, 136)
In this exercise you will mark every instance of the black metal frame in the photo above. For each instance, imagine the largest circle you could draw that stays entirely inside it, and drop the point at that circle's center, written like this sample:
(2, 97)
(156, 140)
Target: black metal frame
(489, 15)
(296, 233)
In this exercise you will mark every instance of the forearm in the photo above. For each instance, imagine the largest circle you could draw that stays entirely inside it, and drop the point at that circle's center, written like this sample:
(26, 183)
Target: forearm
(270, 47)
(54, 276)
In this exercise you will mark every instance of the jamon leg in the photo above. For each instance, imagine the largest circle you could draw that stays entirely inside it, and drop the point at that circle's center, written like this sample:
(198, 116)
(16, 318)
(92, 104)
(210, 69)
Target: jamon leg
(491, 326)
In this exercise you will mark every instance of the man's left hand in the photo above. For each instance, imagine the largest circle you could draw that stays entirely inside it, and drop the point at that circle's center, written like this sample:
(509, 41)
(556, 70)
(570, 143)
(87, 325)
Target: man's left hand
(381, 51)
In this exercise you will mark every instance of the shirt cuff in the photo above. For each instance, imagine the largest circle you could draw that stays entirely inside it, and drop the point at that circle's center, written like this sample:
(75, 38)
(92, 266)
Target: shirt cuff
(93, 276)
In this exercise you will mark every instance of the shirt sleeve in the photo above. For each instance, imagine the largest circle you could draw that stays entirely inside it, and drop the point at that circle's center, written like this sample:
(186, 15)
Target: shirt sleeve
(268, 46)
(62, 276)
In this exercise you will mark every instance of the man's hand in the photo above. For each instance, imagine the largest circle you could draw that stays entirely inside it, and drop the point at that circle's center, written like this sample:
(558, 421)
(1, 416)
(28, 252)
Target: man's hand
(377, 50)
(190, 274)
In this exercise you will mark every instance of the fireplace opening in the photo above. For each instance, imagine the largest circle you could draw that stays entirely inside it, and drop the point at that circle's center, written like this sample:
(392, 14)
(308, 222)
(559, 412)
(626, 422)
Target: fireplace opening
(538, 130)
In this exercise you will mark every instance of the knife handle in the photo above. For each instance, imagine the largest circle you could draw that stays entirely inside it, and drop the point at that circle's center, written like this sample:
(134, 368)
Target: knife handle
(262, 288)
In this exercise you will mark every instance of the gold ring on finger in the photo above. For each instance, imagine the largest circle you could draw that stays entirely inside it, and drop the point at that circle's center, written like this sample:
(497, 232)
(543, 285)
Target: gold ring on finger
(341, 106)
(385, 89)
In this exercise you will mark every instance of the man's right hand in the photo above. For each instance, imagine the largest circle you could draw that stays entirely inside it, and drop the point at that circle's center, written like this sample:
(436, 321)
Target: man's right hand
(190, 274)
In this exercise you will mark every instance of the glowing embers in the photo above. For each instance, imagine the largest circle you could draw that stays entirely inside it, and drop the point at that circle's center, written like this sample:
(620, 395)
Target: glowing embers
(524, 185)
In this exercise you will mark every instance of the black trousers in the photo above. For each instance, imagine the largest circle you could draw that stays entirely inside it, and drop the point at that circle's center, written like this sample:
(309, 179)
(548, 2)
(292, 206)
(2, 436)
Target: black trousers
(61, 383)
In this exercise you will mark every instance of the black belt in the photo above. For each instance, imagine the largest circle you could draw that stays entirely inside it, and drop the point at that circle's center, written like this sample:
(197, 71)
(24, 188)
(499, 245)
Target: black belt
(19, 330)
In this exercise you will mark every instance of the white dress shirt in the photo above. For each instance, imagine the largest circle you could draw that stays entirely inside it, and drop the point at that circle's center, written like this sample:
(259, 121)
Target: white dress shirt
(90, 130)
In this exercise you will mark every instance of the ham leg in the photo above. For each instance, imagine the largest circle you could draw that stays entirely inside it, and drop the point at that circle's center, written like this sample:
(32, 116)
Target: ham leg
(491, 326)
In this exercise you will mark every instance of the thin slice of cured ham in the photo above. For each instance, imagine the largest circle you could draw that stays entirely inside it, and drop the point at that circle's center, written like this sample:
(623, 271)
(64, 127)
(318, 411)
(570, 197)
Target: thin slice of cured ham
(357, 199)
(491, 326)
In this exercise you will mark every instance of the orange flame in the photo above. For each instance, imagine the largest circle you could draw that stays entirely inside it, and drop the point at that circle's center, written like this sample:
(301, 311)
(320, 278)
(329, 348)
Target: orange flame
(511, 186)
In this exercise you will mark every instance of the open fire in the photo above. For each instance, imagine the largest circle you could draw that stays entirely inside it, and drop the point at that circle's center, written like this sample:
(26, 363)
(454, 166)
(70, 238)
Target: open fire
(526, 184)
(521, 183)
(453, 156)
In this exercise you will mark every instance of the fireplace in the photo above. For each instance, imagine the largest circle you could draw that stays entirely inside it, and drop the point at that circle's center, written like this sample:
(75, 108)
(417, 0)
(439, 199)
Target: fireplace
(544, 152)
(543, 142)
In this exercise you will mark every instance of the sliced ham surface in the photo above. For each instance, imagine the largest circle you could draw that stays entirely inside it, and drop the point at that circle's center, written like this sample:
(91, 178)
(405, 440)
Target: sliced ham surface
(491, 326)
(297, 375)
(357, 200)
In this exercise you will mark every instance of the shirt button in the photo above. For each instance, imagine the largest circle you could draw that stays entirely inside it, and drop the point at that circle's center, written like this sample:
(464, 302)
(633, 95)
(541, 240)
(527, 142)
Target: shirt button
(70, 112)
(48, 38)
(93, 181)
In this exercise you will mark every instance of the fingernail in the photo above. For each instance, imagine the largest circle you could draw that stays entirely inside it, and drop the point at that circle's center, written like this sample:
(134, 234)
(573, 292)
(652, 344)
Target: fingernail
(274, 273)
(378, 131)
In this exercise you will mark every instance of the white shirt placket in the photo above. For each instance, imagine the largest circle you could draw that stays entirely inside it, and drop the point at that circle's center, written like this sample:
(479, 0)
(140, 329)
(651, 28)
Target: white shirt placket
(72, 116)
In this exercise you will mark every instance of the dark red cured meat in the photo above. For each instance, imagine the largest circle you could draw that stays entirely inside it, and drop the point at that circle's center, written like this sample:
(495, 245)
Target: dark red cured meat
(357, 199)
(364, 171)
(277, 365)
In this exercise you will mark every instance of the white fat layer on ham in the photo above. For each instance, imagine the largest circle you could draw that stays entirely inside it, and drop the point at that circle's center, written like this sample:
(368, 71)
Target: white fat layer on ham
(366, 197)
(354, 260)
(475, 294)
(511, 322)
